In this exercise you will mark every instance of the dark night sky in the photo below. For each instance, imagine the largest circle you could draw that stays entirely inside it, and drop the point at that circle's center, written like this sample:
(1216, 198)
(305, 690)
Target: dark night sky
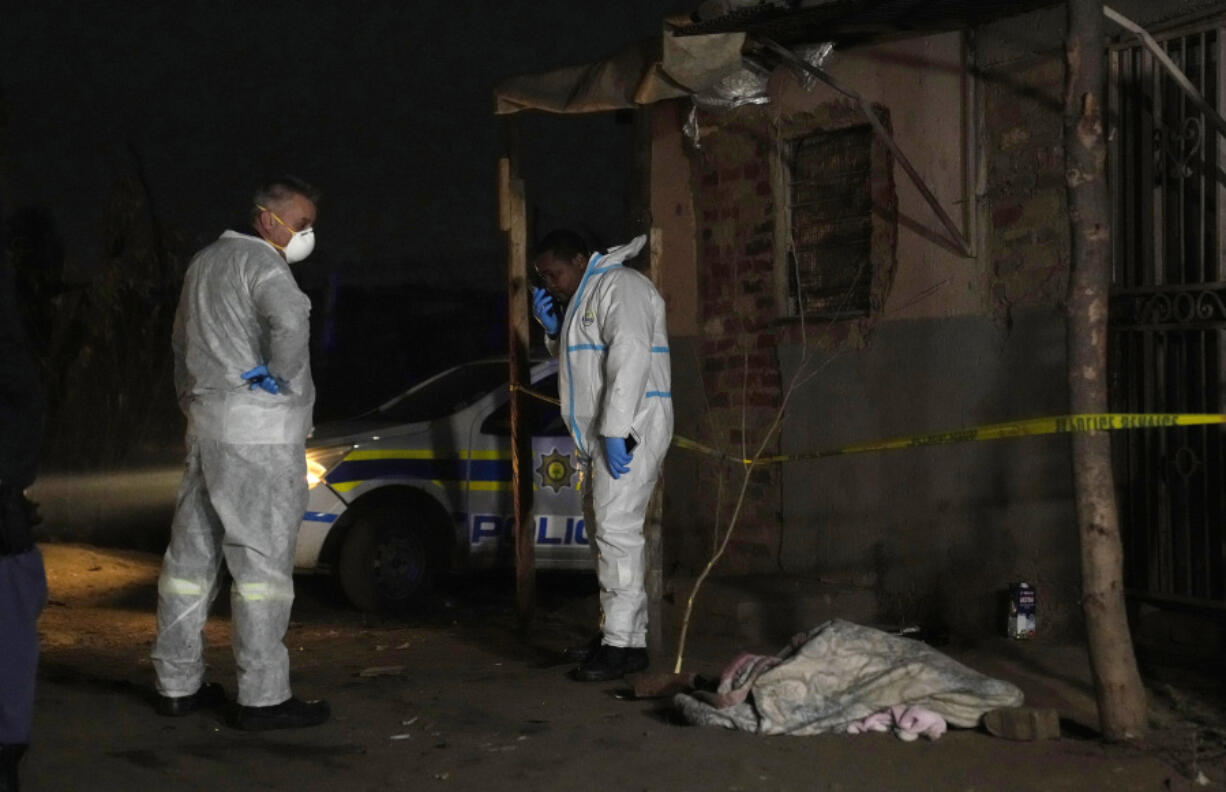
(385, 105)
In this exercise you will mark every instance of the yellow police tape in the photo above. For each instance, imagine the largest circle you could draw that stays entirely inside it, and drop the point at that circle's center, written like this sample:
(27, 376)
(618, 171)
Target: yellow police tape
(1056, 424)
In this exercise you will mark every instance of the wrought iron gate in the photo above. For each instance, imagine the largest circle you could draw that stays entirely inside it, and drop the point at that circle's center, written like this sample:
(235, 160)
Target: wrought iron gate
(1168, 316)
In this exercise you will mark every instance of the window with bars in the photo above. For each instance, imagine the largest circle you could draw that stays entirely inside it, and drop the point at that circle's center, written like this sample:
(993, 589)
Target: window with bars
(829, 195)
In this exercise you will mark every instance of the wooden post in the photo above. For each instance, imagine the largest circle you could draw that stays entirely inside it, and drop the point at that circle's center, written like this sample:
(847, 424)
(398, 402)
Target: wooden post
(1117, 682)
(512, 215)
(653, 525)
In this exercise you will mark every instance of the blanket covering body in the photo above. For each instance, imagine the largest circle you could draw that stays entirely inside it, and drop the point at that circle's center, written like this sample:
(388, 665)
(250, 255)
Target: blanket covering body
(840, 673)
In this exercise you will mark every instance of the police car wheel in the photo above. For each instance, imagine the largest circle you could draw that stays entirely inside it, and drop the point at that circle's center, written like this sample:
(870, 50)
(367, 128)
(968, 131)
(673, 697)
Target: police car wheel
(384, 564)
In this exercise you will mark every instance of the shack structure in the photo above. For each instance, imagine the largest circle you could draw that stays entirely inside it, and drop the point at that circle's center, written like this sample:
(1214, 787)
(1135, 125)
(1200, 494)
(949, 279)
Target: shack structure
(914, 282)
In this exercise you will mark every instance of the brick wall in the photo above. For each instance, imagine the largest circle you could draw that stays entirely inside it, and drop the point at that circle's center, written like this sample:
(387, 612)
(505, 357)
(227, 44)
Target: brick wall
(740, 371)
(1028, 249)
(739, 316)
(1023, 267)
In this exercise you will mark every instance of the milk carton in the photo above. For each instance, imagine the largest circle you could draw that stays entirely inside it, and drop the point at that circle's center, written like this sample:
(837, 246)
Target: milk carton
(1020, 623)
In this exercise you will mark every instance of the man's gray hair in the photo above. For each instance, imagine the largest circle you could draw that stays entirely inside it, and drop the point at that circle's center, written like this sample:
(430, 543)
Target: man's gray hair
(276, 192)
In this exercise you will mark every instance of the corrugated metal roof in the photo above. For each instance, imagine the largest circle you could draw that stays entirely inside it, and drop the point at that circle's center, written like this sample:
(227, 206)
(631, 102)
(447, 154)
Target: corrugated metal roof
(851, 22)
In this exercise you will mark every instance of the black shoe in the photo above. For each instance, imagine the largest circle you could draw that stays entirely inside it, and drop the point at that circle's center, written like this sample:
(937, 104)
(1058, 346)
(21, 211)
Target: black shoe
(610, 662)
(207, 697)
(10, 757)
(583, 652)
(290, 714)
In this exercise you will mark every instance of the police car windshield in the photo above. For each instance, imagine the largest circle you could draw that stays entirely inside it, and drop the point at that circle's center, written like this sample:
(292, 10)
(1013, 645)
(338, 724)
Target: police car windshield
(446, 394)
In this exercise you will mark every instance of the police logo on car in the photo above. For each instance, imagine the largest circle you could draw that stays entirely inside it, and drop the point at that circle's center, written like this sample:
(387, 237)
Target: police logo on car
(555, 470)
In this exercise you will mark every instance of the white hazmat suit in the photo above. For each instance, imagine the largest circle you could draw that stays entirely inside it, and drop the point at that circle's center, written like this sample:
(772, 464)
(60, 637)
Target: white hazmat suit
(614, 381)
(244, 488)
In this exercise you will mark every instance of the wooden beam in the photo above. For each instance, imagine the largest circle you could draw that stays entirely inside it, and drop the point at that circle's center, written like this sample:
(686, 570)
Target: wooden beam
(653, 525)
(512, 212)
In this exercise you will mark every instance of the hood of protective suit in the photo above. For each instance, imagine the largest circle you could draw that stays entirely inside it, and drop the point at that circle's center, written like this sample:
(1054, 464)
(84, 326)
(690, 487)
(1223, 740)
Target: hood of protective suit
(614, 375)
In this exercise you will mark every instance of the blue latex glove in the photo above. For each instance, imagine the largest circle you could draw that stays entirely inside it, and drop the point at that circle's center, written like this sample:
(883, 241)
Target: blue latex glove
(543, 310)
(616, 457)
(259, 377)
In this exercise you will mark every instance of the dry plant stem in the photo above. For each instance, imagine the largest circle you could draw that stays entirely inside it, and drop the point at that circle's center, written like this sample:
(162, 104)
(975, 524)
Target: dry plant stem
(744, 402)
(736, 513)
(720, 484)
(749, 466)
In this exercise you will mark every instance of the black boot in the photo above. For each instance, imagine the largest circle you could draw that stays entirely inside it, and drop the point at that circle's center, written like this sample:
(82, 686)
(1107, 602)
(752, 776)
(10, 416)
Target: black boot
(584, 652)
(10, 757)
(290, 714)
(207, 697)
(611, 662)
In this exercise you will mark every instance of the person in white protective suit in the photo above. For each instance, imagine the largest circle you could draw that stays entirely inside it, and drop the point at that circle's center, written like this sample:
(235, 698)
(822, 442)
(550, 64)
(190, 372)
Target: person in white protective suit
(243, 378)
(614, 382)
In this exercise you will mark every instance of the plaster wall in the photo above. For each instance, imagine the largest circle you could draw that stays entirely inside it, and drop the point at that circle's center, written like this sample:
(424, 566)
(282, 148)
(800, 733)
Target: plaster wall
(922, 84)
(937, 533)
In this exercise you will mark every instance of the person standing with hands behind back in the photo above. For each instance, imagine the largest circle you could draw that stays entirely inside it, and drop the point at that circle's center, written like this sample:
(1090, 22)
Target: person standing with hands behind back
(614, 381)
(243, 377)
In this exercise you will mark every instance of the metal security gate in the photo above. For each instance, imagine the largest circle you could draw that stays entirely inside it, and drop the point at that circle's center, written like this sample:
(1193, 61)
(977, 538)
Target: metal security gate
(1168, 317)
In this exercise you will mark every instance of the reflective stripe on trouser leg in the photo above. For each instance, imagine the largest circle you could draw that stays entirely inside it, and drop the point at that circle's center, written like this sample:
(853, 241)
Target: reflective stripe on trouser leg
(187, 585)
(260, 494)
(619, 508)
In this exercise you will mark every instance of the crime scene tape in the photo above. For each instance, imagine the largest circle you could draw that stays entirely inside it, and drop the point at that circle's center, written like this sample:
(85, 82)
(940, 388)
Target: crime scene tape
(1032, 427)
(1056, 424)
(535, 395)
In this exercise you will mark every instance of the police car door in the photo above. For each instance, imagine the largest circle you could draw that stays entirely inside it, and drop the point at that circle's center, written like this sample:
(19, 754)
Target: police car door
(557, 506)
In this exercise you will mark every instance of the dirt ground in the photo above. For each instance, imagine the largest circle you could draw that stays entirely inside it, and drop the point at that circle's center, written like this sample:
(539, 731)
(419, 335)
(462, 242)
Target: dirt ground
(452, 699)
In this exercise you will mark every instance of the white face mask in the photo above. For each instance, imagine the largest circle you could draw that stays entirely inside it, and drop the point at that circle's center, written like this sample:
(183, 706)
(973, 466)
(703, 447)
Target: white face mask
(300, 245)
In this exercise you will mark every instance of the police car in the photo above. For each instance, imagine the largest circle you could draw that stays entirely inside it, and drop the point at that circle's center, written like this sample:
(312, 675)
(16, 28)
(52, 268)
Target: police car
(422, 485)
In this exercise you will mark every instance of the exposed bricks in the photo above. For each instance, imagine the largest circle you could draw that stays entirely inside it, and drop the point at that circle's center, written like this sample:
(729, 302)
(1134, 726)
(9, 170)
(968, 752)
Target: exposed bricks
(737, 303)
(1026, 192)
(1007, 213)
(758, 245)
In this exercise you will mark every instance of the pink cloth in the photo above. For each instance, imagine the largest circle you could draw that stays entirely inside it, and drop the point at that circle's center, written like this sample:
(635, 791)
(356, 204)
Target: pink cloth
(907, 723)
(736, 681)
